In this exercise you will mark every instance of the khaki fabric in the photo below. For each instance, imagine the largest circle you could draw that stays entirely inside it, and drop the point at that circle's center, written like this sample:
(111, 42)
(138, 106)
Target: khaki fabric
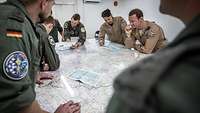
(148, 40)
(116, 32)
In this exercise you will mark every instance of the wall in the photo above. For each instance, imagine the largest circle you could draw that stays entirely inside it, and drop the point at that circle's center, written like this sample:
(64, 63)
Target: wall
(150, 8)
(91, 13)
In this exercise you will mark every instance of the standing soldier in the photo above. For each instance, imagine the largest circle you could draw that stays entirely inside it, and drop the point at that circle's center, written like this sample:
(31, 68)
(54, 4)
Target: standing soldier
(74, 28)
(19, 58)
(144, 36)
(114, 27)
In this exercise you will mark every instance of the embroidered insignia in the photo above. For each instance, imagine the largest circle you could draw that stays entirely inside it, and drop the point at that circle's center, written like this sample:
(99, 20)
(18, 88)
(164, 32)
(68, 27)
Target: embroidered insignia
(16, 65)
(14, 34)
(66, 25)
(51, 40)
(82, 29)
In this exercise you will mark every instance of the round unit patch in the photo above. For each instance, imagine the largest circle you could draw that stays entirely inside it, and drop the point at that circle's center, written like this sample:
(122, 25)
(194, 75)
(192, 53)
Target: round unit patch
(16, 65)
(51, 40)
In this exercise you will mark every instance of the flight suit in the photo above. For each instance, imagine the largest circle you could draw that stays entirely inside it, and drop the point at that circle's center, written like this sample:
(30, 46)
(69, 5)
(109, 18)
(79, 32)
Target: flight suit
(115, 32)
(78, 31)
(56, 28)
(19, 58)
(166, 82)
(148, 40)
(47, 49)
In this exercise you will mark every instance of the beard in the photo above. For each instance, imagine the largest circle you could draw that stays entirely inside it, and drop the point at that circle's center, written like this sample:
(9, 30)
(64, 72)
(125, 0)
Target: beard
(42, 17)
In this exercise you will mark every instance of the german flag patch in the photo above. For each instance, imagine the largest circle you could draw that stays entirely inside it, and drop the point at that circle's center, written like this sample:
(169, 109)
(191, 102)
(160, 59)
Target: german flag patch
(14, 34)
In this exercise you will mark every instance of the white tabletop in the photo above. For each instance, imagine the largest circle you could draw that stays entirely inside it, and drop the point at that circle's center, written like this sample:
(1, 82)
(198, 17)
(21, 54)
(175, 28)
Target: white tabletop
(85, 75)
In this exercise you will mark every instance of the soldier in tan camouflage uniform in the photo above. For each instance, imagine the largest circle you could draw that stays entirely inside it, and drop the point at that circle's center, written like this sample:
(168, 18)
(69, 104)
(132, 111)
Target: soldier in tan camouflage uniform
(144, 36)
(114, 27)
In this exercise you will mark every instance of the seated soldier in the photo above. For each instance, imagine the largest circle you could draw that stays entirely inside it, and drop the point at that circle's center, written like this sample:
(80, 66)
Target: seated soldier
(144, 36)
(49, 58)
(48, 52)
(74, 28)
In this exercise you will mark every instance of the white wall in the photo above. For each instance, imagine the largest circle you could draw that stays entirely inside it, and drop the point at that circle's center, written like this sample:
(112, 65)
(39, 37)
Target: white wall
(150, 8)
(2, 1)
(91, 13)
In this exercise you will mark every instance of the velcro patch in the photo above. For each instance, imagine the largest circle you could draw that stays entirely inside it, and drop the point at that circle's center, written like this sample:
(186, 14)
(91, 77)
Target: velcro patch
(14, 34)
(82, 29)
(16, 65)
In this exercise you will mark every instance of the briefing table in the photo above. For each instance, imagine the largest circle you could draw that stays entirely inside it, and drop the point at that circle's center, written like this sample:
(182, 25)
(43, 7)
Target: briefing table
(85, 75)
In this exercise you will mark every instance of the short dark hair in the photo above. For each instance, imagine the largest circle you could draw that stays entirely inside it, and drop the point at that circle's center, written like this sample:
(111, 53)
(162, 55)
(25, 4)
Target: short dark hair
(136, 12)
(106, 13)
(76, 16)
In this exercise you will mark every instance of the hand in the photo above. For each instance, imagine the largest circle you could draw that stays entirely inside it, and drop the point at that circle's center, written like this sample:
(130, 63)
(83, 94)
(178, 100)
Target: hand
(128, 30)
(101, 42)
(78, 44)
(48, 27)
(69, 107)
(43, 76)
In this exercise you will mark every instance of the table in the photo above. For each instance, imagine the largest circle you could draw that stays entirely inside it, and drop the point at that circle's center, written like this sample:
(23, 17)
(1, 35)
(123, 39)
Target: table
(85, 75)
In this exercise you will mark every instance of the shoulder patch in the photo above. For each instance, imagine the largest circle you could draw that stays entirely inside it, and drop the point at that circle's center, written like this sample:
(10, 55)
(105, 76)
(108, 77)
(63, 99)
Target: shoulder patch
(66, 24)
(82, 29)
(16, 65)
(51, 40)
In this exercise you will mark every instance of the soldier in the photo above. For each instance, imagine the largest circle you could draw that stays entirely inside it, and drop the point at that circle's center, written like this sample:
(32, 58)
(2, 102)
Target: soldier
(167, 81)
(48, 53)
(114, 27)
(49, 58)
(75, 28)
(19, 58)
(144, 36)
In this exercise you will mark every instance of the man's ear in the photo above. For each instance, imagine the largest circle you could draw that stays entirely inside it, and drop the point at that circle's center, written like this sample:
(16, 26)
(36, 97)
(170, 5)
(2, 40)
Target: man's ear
(43, 4)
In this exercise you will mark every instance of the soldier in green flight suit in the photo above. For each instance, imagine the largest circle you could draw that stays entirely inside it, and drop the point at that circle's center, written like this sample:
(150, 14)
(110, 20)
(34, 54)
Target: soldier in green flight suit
(74, 28)
(168, 81)
(48, 53)
(20, 59)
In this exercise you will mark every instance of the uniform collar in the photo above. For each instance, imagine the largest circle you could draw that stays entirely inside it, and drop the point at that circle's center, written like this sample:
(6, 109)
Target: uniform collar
(20, 5)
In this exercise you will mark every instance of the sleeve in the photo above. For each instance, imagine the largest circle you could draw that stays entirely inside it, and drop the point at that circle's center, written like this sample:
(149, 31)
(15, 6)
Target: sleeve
(179, 90)
(82, 35)
(117, 105)
(152, 40)
(102, 33)
(66, 30)
(50, 55)
(17, 87)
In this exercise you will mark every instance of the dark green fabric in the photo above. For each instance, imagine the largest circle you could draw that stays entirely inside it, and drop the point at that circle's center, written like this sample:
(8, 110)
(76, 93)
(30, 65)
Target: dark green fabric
(166, 82)
(54, 32)
(47, 49)
(74, 32)
(16, 94)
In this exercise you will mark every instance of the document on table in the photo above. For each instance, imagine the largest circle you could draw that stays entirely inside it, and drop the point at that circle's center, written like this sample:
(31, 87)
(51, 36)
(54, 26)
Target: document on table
(85, 76)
